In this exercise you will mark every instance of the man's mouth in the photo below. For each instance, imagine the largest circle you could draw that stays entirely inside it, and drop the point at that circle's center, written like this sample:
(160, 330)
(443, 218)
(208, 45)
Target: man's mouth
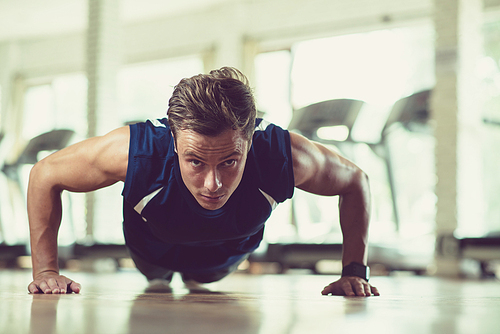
(212, 198)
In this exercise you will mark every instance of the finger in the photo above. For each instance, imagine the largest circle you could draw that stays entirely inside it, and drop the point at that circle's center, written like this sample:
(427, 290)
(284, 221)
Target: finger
(62, 283)
(367, 289)
(66, 285)
(328, 289)
(334, 288)
(74, 287)
(359, 288)
(375, 291)
(347, 288)
(53, 285)
(33, 288)
(44, 287)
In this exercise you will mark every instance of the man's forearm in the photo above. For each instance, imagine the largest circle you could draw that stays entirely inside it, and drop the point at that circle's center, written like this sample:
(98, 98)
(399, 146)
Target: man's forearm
(354, 220)
(44, 255)
(44, 215)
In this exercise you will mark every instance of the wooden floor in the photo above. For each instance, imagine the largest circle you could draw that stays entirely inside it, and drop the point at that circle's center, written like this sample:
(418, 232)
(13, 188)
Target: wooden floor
(241, 303)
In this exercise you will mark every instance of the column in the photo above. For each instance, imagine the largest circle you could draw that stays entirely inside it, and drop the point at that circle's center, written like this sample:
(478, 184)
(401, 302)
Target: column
(11, 96)
(456, 111)
(230, 47)
(103, 64)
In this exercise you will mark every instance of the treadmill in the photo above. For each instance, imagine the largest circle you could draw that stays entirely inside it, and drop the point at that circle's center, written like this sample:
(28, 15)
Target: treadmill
(49, 141)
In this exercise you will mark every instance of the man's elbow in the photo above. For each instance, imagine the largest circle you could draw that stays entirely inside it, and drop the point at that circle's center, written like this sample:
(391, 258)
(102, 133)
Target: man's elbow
(360, 182)
(39, 170)
(364, 179)
(41, 176)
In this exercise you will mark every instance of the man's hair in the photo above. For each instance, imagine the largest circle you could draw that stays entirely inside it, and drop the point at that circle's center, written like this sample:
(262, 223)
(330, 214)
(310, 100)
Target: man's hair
(210, 104)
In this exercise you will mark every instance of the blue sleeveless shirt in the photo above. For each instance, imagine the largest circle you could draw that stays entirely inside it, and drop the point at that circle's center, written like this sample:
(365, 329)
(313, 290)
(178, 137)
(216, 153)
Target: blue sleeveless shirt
(165, 225)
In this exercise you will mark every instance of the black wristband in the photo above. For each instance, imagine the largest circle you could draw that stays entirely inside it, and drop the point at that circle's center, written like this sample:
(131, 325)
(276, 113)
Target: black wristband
(356, 269)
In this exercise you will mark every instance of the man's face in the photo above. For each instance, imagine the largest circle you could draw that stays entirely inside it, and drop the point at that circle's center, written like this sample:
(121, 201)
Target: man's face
(211, 167)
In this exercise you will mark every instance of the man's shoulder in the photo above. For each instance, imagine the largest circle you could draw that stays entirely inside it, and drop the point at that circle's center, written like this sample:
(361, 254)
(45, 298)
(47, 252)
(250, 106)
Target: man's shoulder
(270, 135)
(152, 125)
(158, 123)
(152, 137)
(263, 125)
(270, 156)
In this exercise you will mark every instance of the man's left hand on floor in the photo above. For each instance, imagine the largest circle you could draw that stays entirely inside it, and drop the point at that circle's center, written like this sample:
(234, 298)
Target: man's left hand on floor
(350, 286)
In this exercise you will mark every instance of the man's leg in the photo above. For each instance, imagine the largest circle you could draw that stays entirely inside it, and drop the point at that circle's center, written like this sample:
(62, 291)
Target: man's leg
(151, 271)
(213, 276)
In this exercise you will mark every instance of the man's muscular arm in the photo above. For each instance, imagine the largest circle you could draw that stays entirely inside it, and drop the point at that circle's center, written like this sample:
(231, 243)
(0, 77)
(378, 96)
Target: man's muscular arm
(321, 171)
(86, 166)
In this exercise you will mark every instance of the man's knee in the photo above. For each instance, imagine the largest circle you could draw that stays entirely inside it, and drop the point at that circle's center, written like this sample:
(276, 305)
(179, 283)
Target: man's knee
(213, 276)
(151, 271)
(205, 277)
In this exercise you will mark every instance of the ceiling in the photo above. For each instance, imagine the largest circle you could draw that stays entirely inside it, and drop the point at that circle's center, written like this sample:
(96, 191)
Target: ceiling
(27, 19)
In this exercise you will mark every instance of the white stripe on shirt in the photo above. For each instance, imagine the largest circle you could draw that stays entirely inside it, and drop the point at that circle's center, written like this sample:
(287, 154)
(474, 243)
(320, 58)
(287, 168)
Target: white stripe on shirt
(143, 202)
(262, 125)
(271, 200)
(157, 123)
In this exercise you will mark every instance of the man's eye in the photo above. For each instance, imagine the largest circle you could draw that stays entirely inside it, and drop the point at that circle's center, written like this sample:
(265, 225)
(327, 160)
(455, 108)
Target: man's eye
(195, 163)
(230, 162)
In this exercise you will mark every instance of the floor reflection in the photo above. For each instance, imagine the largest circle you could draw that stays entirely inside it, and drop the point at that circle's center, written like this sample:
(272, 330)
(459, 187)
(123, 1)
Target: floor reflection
(355, 305)
(174, 312)
(43, 316)
(282, 304)
(193, 312)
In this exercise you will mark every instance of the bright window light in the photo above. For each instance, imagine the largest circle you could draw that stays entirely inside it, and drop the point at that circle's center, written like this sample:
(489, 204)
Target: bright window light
(144, 89)
(378, 67)
(337, 132)
(272, 86)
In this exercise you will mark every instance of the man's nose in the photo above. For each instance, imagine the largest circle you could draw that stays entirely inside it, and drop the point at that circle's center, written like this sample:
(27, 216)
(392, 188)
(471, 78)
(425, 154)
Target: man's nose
(213, 181)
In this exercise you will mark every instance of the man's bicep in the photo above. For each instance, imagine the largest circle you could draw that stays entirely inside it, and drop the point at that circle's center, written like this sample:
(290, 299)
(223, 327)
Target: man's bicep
(305, 159)
(88, 165)
(112, 158)
(319, 170)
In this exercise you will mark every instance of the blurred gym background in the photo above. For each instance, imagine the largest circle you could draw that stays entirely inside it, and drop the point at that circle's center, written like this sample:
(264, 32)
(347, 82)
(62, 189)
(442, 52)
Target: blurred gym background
(409, 90)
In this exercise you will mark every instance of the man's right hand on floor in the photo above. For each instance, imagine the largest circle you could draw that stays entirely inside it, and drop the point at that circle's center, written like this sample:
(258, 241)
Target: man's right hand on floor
(52, 282)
